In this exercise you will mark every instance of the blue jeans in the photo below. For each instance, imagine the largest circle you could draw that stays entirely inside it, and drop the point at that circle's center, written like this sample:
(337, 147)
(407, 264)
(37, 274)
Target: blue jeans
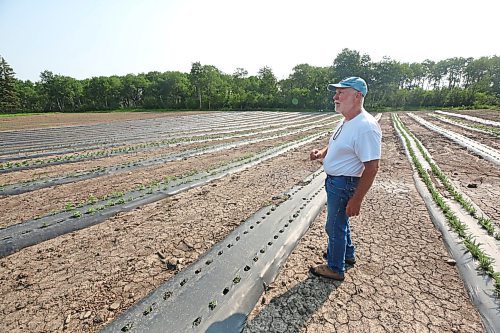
(339, 189)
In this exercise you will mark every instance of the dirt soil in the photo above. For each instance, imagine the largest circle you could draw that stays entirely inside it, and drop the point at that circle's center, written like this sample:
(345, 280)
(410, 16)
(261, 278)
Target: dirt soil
(401, 282)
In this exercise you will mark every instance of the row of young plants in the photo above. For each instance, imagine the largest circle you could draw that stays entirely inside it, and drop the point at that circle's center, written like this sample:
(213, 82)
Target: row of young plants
(241, 266)
(76, 216)
(467, 205)
(31, 164)
(118, 198)
(470, 118)
(485, 151)
(18, 145)
(460, 228)
(469, 125)
(35, 184)
(75, 157)
(94, 204)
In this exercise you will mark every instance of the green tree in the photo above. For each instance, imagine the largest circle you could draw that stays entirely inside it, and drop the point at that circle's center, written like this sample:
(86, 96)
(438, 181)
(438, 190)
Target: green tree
(174, 90)
(267, 87)
(306, 87)
(387, 77)
(9, 100)
(61, 93)
(29, 96)
(351, 63)
(102, 93)
(196, 76)
(132, 90)
(211, 86)
(238, 93)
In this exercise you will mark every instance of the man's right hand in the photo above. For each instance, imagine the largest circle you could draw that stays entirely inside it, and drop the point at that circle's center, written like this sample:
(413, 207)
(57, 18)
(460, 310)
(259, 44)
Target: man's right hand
(315, 154)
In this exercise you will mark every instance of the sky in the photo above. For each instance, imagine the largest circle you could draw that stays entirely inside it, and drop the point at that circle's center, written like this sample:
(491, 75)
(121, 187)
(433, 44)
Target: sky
(87, 38)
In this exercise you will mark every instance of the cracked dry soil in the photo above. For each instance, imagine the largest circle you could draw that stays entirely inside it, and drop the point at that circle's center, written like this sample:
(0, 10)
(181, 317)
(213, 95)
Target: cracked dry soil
(401, 282)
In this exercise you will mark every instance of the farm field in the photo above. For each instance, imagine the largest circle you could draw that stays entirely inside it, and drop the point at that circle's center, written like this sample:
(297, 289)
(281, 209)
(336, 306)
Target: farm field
(146, 196)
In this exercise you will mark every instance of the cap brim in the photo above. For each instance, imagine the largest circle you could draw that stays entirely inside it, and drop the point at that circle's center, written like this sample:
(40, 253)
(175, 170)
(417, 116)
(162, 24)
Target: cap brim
(333, 86)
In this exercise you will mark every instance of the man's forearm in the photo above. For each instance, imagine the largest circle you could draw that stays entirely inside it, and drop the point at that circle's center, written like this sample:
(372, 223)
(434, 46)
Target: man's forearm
(365, 182)
(324, 151)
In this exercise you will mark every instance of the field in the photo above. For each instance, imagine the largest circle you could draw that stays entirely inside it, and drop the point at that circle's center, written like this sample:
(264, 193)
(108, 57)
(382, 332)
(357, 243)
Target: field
(194, 222)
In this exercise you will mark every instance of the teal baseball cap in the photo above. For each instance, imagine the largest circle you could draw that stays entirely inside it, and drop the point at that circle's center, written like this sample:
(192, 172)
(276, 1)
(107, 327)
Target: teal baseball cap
(354, 82)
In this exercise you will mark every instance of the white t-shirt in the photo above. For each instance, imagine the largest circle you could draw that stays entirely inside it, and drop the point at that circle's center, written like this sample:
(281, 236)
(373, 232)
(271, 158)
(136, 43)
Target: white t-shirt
(358, 141)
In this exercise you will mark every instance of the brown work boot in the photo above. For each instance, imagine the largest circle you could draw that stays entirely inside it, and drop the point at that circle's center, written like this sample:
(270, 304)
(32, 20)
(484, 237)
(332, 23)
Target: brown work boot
(326, 272)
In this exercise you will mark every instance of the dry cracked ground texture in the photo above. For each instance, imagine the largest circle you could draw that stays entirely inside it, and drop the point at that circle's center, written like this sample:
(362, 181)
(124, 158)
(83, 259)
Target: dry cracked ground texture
(401, 280)
(479, 179)
(79, 281)
(400, 283)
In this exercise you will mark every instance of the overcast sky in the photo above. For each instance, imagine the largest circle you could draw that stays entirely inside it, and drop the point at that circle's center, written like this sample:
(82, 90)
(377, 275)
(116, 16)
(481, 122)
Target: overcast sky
(86, 38)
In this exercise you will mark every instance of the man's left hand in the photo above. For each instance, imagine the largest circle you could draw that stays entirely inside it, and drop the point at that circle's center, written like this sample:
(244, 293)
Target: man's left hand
(353, 207)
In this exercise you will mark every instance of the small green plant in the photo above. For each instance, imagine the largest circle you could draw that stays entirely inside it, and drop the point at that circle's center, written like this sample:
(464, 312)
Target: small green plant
(69, 206)
(92, 199)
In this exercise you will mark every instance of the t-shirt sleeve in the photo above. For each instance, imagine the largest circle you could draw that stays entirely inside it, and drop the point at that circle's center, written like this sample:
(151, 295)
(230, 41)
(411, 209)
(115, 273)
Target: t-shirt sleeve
(368, 146)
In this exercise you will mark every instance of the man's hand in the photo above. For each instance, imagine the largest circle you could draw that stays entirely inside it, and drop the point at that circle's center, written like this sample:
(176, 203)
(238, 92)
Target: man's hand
(353, 207)
(317, 154)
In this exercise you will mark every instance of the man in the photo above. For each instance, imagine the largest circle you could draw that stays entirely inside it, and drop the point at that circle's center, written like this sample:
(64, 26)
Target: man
(351, 161)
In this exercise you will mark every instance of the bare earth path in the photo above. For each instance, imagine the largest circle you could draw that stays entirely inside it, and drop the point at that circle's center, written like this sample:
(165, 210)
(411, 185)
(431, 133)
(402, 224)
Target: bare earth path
(400, 283)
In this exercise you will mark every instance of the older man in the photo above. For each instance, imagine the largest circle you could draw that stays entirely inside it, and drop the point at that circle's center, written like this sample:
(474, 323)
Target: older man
(351, 161)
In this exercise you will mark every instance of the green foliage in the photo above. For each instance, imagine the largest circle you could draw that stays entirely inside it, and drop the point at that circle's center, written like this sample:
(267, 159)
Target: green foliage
(9, 99)
(449, 83)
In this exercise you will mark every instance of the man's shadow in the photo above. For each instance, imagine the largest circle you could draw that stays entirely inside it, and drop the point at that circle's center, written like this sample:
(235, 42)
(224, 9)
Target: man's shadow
(285, 313)
(291, 310)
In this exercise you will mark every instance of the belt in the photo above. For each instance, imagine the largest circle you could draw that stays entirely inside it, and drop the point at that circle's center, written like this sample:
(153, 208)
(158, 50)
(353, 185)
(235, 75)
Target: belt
(351, 178)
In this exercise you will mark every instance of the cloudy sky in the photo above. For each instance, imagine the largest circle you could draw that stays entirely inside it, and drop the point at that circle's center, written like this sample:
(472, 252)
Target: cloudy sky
(86, 38)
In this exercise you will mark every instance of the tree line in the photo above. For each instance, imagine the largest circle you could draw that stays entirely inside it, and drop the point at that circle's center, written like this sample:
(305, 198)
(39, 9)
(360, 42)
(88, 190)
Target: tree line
(454, 82)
